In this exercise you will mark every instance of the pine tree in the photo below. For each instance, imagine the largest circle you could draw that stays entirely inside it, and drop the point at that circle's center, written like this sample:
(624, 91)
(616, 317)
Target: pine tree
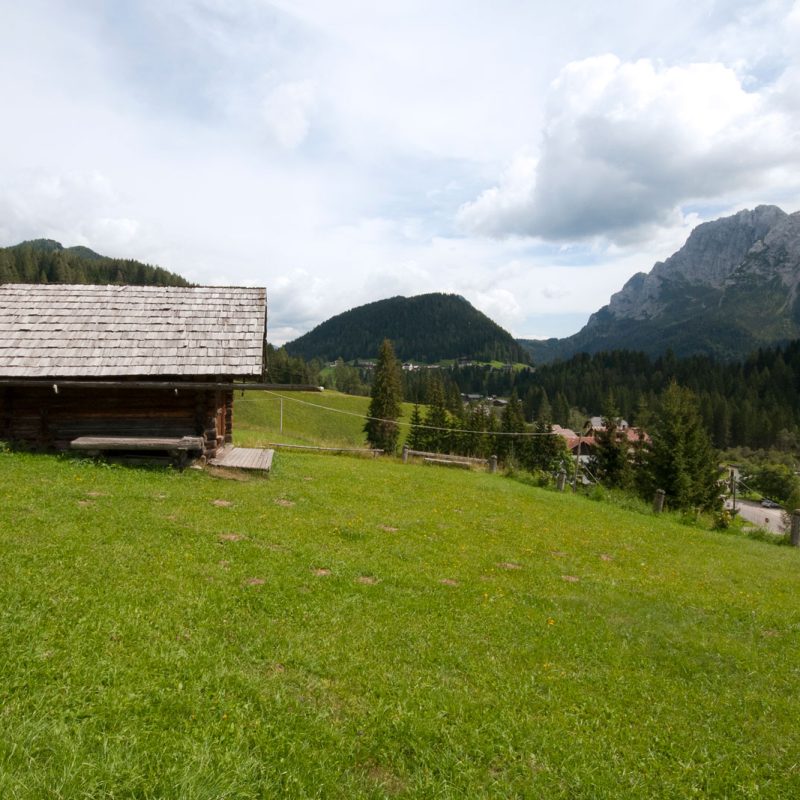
(680, 459)
(415, 439)
(436, 417)
(474, 438)
(610, 462)
(546, 451)
(384, 407)
(511, 448)
(561, 410)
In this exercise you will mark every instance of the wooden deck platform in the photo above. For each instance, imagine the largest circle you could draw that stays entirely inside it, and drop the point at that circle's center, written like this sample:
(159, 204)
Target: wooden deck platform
(244, 458)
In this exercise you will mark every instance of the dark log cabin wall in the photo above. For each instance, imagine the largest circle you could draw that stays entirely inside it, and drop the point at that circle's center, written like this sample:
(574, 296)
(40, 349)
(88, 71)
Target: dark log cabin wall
(42, 419)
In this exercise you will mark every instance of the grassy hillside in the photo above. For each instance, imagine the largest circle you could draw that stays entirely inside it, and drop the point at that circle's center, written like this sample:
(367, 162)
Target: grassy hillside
(354, 628)
(305, 421)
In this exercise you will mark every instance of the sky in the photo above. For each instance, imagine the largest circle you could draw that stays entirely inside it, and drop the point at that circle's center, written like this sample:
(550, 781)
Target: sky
(529, 156)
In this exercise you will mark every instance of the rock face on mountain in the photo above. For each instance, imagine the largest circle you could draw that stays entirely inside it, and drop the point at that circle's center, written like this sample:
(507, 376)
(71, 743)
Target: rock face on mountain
(734, 286)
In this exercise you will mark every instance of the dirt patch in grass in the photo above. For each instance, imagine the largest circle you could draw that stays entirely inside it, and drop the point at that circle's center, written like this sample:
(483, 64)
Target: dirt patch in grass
(283, 502)
(255, 581)
(95, 494)
(231, 537)
(221, 503)
(390, 783)
(509, 565)
(570, 578)
(448, 582)
(558, 554)
(228, 474)
(85, 503)
(388, 528)
(224, 564)
(367, 580)
(320, 572)
(606, 557)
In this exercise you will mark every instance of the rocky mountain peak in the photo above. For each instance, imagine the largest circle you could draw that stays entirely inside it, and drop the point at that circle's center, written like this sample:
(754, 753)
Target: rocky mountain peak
(733, 287)
(713, 251)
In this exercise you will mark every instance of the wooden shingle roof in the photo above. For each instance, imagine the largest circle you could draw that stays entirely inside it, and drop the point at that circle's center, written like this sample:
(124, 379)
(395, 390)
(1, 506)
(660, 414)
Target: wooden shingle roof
(103, 331)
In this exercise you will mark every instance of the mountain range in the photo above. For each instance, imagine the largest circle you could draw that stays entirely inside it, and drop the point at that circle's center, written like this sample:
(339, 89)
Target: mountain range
(733, 287)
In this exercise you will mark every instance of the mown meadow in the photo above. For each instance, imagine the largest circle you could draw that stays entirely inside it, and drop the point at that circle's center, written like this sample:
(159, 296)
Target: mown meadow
(307, 419)
(356, 628)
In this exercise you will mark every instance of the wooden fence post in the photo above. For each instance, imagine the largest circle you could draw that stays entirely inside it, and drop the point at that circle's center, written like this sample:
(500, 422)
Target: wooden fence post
(658, 501)
(561, 480)
(794, 538)
(405, 453)
(493, 464)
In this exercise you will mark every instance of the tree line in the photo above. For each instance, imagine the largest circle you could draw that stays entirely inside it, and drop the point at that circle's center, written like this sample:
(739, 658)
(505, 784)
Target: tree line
(48, 262)
(748, 404)
(751, 403)
(678, 457)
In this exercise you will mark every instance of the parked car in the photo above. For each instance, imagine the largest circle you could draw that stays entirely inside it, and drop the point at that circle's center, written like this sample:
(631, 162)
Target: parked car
(767, 503)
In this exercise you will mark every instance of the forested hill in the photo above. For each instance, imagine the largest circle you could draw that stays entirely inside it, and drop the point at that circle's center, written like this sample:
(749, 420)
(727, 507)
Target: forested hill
(427, 328)
(47, 261)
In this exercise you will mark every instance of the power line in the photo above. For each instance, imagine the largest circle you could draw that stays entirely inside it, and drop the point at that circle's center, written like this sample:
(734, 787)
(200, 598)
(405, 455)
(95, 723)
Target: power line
(406, 424)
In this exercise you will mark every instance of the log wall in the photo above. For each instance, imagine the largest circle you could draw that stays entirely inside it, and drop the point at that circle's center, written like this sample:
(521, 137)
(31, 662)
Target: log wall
(42, 419)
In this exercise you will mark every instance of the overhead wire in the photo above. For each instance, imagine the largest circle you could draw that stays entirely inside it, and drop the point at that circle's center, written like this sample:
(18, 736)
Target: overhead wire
(521, 434)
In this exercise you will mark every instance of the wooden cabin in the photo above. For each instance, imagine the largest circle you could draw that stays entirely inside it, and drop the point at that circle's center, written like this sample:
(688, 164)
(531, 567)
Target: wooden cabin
(130, 363)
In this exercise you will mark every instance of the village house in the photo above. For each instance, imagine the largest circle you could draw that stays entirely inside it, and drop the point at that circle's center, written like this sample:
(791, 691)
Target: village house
(584, 444)
(141, 366)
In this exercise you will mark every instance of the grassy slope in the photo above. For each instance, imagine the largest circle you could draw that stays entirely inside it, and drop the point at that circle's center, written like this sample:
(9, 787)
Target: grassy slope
(139, 657)
(257, 419)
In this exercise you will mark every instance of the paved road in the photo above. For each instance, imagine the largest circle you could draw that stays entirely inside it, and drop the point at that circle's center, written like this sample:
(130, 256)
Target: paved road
(770, 519)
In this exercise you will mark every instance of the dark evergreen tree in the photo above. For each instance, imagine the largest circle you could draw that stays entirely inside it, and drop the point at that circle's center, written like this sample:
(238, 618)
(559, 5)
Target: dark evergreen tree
(561, 410)
(415, 439)
(436, 432)
(610, 462)
(384, 407)
(473, 439)
(546, 451)
(680, 459)
(510, 448)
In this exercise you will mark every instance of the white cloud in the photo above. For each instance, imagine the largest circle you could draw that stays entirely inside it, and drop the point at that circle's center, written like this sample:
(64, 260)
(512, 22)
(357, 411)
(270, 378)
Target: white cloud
(624, 144)
(286, 112)
(139, 129)
(499, 304)
(554, 292)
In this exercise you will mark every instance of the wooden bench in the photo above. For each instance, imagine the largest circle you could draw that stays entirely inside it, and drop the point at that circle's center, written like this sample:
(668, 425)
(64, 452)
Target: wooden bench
(178, 448)
(448, 462)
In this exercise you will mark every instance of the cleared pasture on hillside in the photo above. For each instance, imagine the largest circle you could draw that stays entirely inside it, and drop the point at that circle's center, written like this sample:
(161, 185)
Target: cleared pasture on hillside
(352, 628)
(257, 419)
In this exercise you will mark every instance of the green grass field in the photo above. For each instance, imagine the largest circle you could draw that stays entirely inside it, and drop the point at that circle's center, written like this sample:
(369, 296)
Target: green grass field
(354, 628)
(305, 421)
